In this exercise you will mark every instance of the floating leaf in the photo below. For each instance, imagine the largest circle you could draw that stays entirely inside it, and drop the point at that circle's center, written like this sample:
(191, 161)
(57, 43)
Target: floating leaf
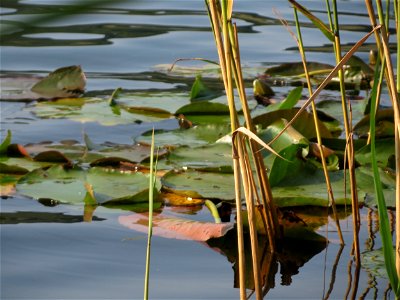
(197, 184)
(6, 142)
(297, 69)
(204, 107)
(384, 124)
(304, 124)
(68, 185)
(200, 91)
(384, 150)
(196, 136)
(62, 83)
(176, 228)
(214, 157)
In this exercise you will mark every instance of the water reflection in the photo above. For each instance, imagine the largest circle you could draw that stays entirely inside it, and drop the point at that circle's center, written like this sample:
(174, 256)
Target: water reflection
(41, 217)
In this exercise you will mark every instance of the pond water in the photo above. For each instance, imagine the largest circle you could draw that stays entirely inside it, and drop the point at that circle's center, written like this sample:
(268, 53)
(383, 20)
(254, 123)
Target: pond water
(51, 253)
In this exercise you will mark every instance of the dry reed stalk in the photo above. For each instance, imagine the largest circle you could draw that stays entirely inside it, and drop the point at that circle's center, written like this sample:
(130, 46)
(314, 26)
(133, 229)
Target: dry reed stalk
(220, 19)
(299, 42)
(349, 137)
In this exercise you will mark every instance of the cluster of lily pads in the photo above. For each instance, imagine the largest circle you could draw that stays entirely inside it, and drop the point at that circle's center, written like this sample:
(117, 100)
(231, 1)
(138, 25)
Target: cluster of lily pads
(194, 160)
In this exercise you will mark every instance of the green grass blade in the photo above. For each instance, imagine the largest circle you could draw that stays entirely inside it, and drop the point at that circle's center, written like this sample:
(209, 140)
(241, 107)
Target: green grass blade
(316, 21)
(150, 226)
(384, 227)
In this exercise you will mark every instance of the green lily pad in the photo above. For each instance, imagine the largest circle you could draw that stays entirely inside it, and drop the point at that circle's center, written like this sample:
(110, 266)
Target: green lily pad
(5, 143)
(68, 185)
(297, 69)
(303, 124)
(197, 184)
(204, 107)
(309, 188)
(384, 150)
(20, 163)
(201, 92)
(92, 110)
(166, 102)
(384, 124)
(214, 157)
(196, 136)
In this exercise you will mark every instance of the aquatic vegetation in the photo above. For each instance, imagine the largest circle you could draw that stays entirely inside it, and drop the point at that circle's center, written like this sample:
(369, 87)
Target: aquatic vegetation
(336, 154)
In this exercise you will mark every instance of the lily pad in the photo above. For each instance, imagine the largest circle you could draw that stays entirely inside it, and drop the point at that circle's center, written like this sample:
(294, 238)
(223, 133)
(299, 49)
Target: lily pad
(176, 228)
(166, 102)
(92, 110)
(214, 157)
(68, 185)
(384, 124)
(196, 136)
(384, 150)
(63, 82)
(197, 184)
(303, 124)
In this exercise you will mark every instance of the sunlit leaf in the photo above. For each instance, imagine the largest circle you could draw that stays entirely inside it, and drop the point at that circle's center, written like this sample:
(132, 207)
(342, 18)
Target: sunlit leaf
(197, 184)
(5, 143)
(62, 83)
(195, 136)
(68, 185)
(200, 91)
(303, 124)
(176, 228)
(214, 157)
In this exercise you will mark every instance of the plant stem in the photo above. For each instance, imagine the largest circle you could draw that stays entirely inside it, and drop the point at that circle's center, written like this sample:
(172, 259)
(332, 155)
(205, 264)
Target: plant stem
(315, 116)
(150, 223)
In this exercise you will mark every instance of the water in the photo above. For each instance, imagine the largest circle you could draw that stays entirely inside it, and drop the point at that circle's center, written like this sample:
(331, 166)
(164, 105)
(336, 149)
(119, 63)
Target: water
(57, 256)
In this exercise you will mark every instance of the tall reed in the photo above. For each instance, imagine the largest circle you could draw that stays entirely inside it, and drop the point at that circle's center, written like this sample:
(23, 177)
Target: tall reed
(227, 44)
(152, 181)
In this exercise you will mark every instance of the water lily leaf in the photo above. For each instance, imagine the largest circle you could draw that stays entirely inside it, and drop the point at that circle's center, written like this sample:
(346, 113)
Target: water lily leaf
(309, 188)
(297, 69)
(68, 185)
(290, 166)
(195, 136)
(384, 150)
(54, 183)
(17, 150)
(214, 157)
(92, 110)
(289, 137)
(197, 184)
(200, 91)
(62, 83)
(384, 124)
(334, 110)
(172, 199)
(12, 169)
(304, 124)
(289, 102)
(373, 261)
(52, 156)
(364, 177)
(21, 163)
(162, 102)
(204, 107)
(6, 142)
(176, 228)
